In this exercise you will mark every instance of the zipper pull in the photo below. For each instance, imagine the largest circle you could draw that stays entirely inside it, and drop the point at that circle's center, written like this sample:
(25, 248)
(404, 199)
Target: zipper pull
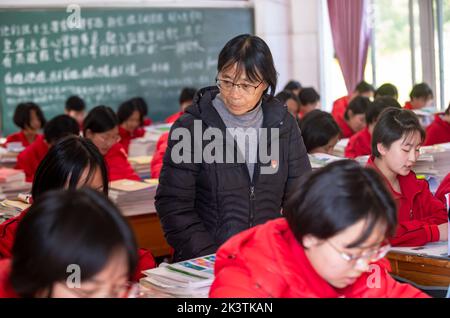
(252, 193)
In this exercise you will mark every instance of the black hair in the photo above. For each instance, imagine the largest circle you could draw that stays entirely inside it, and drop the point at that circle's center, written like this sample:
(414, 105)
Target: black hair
(421, 90)
(318, 128)
(381, 103)
(364, 87)
(22, 115)
(284, 96)
(187, 94)
(60, 126)
(252, 55)
(447, 111)
(358, 105)
(65, 227)
(308, 95)
(292, 85)
(100, 119)
(126, 109)
(65, 163)
(387, 89)
(393, 124)
(337, 196)
(75, 103)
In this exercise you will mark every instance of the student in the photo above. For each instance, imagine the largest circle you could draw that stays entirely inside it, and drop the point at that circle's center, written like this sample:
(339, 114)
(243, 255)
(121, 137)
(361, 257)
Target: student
(101, 126)
(75, 108)
(57, 128)
(291, 101)
(340, 105)
(443, 189)
(130, 120)
(360, 144)
(354, 118)
(331, 243)
(293, 86)
(309, 100)
(396, 140)
(73, 162)
(439, 130)
(320, 132)
(30, 119)
(421, 96)
(387, 90)
(186, 97)
(95, 238)
(142, 105)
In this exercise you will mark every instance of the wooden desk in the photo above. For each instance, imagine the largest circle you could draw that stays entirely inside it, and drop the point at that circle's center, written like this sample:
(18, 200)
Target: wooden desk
(421, 270)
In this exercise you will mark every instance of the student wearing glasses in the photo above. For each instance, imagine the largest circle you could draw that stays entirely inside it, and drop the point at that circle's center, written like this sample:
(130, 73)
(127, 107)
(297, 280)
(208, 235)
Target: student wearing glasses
(331, 243)
(101, 126)
(202, 203)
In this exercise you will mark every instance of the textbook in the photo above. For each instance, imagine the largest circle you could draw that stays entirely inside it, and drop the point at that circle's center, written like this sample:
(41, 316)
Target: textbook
(319, 160)
(141, 165)
(191, 278)
(133, 197)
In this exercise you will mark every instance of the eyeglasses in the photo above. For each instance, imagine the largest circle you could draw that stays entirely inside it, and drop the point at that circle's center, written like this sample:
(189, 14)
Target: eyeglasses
(109, 139)
(228, 85)
(119, 291)
(369, 256)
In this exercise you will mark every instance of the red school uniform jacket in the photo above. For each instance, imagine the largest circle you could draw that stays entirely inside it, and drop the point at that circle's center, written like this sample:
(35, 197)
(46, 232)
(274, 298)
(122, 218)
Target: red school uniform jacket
(360, 144)
(408, 105)
(158, 156)
(126, 136)
(118, 166)
(19, 137)
(443, 189)
(147, 122)
(438, 132)
(29, 159)
(267, 261)
(173, 118)
(6, 290)
(419, 212)
(346, 131)
(339, 107)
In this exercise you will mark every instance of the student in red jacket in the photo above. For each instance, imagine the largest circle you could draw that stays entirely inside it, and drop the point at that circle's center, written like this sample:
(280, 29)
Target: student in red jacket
(158, 156)
(30, 119)
(76, 108)
(101, 126)
(421, 96)
(360, 144)
(387, 90)
(143, 108)
(340, 105)
(309, 100)
(57, 128)
(320, 132)
(331, 243)
(439, 130)
(71, 163)
(396, 140)
(186, 97)
(443, 189)
(99, 258)
(291, 101)
(130, 121)
(354, 118)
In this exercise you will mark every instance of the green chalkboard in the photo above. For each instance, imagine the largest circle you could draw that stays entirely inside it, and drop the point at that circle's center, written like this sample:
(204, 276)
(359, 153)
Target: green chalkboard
(111, 55)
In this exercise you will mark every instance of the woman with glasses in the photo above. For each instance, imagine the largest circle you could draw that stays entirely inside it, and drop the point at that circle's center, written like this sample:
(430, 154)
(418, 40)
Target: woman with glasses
(101, 126)
(331, 243)
(71, 244)
(225, 183)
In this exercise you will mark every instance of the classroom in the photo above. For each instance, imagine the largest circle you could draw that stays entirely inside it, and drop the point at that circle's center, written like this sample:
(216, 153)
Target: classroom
(233, 149)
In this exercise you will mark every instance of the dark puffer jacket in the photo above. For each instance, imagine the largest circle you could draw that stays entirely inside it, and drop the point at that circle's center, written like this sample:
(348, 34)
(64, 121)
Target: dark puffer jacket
(201, 205)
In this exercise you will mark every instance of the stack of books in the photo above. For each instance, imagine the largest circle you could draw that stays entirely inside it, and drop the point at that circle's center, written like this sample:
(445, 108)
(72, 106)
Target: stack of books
(12, 182)
(320, 160)
(133, 197)
(192, 278)
(141, 165)
(146, 145)
(11, 208)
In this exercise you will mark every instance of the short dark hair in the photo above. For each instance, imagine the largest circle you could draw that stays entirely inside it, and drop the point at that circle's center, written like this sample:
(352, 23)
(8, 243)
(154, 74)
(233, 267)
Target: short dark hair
(252, 55)
(381, 103)
(387, 89)
(393, 124)
(60, 126)
(364, 87)
(308, 95)
(22, 114)
(358, 105)
(337, 196)
(284, 96)
(187, 94)
(447, 111)
(318, 128)
(65, 163)
(75, 103)
(80, 227)
(142, 105)
(100, 119)
(421, 90)
(291, 85)
(126, 109)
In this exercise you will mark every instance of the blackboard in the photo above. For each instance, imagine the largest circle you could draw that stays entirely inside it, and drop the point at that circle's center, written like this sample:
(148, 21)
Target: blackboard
(115, 54)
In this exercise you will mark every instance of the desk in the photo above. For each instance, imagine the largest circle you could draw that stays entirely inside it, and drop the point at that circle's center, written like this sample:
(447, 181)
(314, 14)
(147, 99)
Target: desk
(422, 270)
